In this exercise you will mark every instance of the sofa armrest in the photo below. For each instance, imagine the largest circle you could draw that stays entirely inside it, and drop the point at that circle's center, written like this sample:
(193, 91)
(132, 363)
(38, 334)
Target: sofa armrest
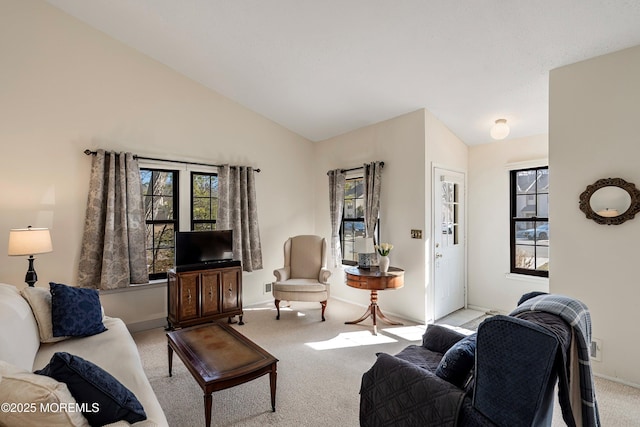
(281, 274)
(397, 392)
(324, 275)
(440, 338)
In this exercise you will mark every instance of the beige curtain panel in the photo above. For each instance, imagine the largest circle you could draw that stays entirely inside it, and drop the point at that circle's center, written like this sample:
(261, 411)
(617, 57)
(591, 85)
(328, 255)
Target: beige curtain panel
(113, 253)
(336, 204)
(372, 185)
(238, 211)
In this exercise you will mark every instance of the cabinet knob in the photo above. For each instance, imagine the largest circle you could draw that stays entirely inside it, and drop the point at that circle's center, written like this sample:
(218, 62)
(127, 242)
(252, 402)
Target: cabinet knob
(210, 293)
(189, 295)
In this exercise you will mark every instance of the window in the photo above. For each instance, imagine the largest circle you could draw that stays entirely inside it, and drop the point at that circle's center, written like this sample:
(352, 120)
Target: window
(160, 190)
(162, 204)
(530, 221)
(204, 200)
(352, 219)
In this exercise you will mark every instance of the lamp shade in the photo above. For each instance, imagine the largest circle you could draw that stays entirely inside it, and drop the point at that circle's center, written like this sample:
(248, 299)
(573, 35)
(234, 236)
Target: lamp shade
(364, 245)
(500, 130)
(29, 241)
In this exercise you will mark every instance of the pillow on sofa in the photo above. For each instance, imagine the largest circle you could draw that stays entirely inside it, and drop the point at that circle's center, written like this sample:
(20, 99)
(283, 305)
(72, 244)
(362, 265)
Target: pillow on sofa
(457, 362)
(91, 385)
(40, 301)
(75, 312)
(32, 392)
(440, 338)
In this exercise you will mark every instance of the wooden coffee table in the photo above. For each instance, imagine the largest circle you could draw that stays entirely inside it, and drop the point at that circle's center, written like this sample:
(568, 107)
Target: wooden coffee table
(220, 357)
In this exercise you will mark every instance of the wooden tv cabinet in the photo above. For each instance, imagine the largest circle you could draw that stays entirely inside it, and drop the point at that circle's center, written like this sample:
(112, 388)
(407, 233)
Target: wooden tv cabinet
(204, 295)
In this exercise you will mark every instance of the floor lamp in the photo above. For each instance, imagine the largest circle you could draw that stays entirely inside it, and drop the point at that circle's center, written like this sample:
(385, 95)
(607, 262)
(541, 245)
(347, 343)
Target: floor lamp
(29, 241)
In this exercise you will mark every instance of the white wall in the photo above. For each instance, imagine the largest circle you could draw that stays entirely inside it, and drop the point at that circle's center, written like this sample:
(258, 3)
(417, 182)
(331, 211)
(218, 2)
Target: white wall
(408, 145)
(67, 87)
(593, 132)
(399, 142)
(490, 285)
(444, 150)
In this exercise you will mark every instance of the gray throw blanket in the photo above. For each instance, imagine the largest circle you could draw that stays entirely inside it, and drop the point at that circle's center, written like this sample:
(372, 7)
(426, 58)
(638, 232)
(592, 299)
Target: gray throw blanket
(576, 314)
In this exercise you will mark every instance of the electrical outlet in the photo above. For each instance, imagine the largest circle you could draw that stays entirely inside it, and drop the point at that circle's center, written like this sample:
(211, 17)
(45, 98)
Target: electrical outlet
(416, 234)
(267, 288)
(595, 351)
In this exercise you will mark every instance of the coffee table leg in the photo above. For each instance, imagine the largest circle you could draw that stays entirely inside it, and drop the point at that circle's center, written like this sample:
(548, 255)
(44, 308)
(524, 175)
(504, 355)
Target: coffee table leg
(207, 409)
(170, 354)
(272, 381)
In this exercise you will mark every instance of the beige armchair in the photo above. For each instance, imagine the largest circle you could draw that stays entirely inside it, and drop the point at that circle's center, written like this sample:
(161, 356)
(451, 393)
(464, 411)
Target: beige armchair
(304, 276)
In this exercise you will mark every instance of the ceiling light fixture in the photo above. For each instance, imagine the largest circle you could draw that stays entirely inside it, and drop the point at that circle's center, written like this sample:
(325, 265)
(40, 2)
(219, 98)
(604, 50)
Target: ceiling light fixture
(500, 130)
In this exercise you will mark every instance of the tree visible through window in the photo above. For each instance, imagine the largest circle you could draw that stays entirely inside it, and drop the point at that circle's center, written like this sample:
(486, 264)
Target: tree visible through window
(204, 200)
(160, 190)
(530, 221)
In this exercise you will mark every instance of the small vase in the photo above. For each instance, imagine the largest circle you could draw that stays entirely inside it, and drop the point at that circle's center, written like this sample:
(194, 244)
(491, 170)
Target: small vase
(383, 264)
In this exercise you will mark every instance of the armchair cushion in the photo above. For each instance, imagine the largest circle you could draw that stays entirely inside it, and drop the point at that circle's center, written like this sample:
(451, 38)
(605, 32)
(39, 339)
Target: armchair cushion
(300, 285)
(306, 257)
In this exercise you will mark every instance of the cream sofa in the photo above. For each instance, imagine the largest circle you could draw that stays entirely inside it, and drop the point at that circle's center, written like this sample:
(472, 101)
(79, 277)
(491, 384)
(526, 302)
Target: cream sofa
(22, 352)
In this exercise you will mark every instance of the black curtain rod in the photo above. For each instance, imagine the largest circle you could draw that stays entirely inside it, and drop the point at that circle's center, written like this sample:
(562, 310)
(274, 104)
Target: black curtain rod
(355, 169)
(93, 153)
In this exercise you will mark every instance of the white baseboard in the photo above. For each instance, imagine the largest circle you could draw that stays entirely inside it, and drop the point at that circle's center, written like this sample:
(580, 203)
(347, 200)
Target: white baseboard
(617, 380)
(485, 309)
(147, 324)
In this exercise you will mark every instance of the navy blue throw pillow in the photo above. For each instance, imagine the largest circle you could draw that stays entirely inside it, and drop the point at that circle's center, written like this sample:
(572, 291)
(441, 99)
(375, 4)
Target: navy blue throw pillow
(102, 398)
(75, 312)
(456, 364)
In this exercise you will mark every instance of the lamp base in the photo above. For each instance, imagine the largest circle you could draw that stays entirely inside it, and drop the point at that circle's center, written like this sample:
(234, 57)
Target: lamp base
(31, 277)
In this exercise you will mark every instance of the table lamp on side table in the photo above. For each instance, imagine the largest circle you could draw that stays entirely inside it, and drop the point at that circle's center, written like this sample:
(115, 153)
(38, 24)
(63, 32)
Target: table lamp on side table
(29, 241)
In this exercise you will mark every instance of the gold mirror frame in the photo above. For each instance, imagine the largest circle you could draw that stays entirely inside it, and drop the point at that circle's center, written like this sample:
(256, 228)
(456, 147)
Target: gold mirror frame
(629, 187)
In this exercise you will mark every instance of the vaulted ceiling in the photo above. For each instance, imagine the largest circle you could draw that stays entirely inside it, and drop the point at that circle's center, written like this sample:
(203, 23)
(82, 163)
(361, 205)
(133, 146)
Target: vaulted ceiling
(324, 67)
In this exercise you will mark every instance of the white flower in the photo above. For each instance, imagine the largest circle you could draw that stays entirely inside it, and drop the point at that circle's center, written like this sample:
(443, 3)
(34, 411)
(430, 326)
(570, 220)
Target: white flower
(384, 248)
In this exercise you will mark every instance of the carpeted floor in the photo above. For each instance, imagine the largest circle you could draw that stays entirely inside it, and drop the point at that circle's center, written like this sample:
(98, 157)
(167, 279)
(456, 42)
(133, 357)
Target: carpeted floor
(319, 371)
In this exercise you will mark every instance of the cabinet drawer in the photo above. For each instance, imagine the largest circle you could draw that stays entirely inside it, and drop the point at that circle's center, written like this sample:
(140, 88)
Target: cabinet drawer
(230, 290)
(360, 282)
(189, 297)
(209, 293)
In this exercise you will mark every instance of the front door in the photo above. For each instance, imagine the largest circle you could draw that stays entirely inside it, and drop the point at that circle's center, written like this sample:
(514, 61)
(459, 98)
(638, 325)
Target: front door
(449, 241)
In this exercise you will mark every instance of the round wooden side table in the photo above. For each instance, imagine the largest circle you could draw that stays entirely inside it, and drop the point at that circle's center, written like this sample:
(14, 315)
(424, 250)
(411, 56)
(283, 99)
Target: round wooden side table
(374, 280)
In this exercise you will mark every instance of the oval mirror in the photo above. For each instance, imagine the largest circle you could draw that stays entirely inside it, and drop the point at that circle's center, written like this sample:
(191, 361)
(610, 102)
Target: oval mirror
(610, 201)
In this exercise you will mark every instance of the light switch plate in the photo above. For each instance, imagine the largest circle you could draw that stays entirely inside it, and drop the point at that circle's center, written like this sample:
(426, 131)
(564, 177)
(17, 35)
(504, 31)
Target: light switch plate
(416, 234)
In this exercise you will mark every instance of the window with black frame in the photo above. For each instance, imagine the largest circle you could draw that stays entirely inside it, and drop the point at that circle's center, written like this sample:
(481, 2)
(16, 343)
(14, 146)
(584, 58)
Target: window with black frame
(204, 200)
(353, 224)
(530, 221)
(160, 191)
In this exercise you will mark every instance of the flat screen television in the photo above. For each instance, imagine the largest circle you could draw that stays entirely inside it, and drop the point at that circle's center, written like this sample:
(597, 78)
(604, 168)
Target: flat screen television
(200, 248)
